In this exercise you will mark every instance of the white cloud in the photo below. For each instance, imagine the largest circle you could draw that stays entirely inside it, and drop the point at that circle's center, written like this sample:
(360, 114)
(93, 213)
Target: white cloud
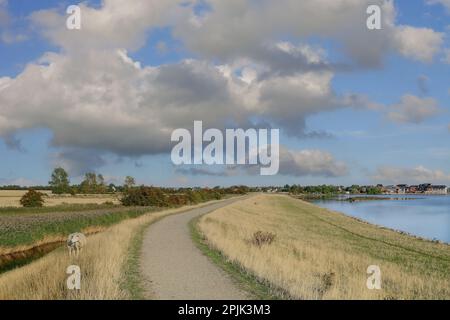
(125, 58)
(420, 44)
(315, 163)
(115, 25)
(296, 163)
(420, 174)
(235, 29)
(4, 82)
(412, 109)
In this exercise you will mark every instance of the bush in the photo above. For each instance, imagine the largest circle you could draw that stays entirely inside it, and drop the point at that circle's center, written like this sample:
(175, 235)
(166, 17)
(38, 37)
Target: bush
(144, 197)
(261, 238)
(32, 199)
(178, 199)
(157, 197)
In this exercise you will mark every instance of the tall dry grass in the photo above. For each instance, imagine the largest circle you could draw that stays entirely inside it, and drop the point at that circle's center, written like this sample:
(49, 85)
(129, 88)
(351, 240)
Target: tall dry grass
(319, 254)
(102, 264)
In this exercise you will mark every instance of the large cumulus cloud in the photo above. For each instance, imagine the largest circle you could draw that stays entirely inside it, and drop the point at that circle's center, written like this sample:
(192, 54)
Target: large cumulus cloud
(101, 100)
(236, 28)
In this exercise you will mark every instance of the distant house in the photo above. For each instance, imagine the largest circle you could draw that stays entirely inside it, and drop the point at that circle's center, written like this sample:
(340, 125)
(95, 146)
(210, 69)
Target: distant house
(402, 188)
(425, 187)
(390, 189)
(440, 189)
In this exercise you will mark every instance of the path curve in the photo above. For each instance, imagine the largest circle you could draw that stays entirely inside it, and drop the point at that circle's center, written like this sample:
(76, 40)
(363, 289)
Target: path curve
(175, 269)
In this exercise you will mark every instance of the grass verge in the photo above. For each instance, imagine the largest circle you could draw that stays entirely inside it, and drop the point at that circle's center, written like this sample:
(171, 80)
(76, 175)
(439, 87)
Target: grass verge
(247, 281)
(133, 281)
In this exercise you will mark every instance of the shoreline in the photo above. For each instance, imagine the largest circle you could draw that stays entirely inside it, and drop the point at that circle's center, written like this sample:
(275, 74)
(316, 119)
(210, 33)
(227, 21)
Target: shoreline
(402, 232)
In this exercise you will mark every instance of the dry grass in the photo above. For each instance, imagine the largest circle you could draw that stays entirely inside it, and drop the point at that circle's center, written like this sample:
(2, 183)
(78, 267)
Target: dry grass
(11, 198)
(102, 265)
(319, 254)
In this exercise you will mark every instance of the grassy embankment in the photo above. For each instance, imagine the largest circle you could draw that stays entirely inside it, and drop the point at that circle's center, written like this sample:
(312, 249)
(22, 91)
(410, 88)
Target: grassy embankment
(319, 254)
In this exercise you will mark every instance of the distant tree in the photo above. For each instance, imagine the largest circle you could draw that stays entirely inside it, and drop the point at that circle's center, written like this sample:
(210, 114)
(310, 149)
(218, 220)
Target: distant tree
(93, 184)
(129, 182)
(74, 190)
(89, 184)
(374, 190)
(355, 189)
(101, 185)
(32, 199)
(60, 182)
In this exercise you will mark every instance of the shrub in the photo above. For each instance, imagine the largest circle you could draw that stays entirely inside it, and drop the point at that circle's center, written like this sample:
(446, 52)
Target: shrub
(144, 197)
(73, 191)
(261, 238)
(194, 197)
(32, 199)
(158, 197)
(178, 199)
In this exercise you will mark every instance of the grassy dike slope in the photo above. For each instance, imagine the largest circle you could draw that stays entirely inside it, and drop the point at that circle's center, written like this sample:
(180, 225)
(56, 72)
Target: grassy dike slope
(319, 254)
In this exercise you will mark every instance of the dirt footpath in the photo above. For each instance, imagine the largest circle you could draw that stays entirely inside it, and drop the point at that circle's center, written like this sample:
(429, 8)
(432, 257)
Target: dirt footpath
(174, 268)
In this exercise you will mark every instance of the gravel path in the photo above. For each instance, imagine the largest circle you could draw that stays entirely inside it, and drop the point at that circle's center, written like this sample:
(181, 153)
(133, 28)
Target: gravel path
(175, 269)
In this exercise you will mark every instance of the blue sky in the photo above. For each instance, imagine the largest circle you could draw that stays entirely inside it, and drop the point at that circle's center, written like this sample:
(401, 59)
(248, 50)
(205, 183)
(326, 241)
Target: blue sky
(380, 138)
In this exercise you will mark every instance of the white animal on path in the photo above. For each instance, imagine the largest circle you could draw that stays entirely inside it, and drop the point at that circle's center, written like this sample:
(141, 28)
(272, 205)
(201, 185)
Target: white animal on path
(76, 242)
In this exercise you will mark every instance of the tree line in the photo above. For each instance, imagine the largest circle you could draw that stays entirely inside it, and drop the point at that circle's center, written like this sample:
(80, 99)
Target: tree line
(92, 184)
(95, 184)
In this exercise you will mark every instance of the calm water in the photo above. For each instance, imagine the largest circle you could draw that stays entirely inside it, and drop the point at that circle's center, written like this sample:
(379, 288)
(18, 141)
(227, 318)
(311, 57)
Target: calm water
(426, 216)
